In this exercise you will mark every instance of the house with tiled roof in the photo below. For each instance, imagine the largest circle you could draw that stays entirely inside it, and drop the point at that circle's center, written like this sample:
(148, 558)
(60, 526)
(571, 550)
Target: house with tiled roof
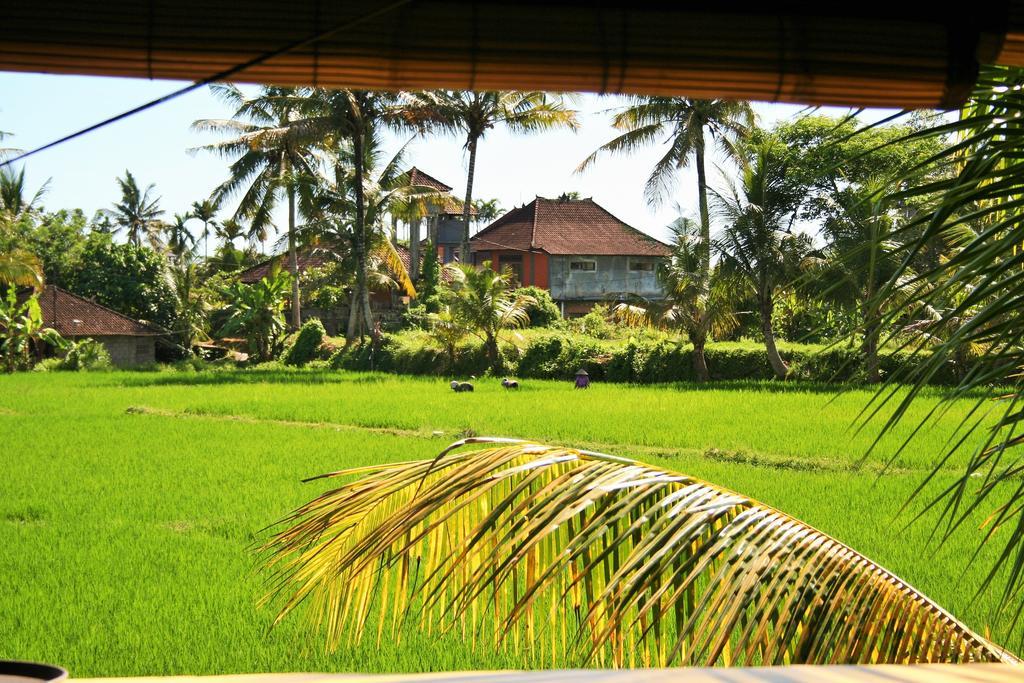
(443, 220)
(128, 341)
(575, 249)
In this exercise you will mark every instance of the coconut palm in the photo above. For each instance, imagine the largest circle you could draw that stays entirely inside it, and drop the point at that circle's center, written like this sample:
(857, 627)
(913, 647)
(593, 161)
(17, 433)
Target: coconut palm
(193, 308)
(270, 158)
(756, 247)
(229, 231)
(15, 203)
(472, 114)
(487, 302)
(205, 211)
(345, 123)
(180, 240)
(138, 213)
(21, 269)
(697, 304)
(683, 125)
(598, 559)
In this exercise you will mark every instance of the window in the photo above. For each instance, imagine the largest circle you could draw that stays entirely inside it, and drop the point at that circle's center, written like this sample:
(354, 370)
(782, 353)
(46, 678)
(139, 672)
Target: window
(642, 266)
(590, 266)
(513, 262)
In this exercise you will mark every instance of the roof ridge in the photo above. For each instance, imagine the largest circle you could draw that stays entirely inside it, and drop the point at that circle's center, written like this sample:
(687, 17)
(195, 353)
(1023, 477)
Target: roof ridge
(91, 302)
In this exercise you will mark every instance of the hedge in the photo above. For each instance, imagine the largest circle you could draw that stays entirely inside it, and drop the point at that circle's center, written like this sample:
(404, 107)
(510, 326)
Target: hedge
(559, 356)
(307, 341)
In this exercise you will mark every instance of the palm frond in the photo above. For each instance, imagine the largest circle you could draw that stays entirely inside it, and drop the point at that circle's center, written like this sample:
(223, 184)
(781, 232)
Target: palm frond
(597, 558)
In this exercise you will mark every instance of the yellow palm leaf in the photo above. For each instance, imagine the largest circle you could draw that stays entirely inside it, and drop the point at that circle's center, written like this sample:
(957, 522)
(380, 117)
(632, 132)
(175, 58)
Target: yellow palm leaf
(623, 562)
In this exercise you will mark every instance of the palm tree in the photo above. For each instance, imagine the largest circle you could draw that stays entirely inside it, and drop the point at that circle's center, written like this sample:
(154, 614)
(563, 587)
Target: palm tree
(271, 156)
(21, 269)
(683, 125)
(345, 123)
(695, 303)
(486, 301)
(472, 114)
(861, 256)
(756, 246)
(596, 558)
(229, 231)
(487, 210)
(138, 213)
(15, 203)
(205, 211)
(192, 305)
(180, 240)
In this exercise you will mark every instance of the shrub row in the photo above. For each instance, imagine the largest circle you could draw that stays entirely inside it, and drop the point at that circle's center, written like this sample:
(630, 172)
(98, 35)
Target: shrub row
(559, 356)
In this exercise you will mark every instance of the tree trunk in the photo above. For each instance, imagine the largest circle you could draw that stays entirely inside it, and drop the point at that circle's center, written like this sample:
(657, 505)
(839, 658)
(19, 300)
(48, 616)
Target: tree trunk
(779, 366)
(293, 260)
(414, 249)
(464, 252)
(870, 349)
(705, 219)
(700, 365)
(493, 354)
(363, 315)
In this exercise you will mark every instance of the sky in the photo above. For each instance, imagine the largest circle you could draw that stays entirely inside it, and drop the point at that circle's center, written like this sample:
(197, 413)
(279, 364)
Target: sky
(154, 145)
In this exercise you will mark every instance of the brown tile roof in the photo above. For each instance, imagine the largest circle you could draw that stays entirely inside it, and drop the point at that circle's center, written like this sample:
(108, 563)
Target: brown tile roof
(307, 258)
(418, 177)
(566, 226)
(76, 316)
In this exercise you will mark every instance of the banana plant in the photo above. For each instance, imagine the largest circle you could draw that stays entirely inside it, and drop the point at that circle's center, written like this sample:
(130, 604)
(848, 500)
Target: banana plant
(594, 559)
(22, 330)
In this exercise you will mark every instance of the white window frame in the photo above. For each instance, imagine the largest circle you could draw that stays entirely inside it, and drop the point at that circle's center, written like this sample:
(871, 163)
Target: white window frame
(572, 262)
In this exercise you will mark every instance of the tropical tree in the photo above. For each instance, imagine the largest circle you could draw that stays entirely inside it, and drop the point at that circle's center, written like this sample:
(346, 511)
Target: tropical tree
(683, 125)
(447, 330)
(861, 256)
(487, 303)
(22, 330)
(138, 213)
(487, 210)
(205, 211)
(756, 246)
(598, 559)
(256, 312)
(229, 231)
(472, 114)
(697, 304)
(15, 204)
(180, 240)
(21, 268)
(345, 123)
(271, 156)
(193, 307)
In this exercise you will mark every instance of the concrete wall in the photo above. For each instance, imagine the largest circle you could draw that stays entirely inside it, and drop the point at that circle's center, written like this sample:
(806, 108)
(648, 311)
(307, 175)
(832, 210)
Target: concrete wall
(126, 352)
(611, 280)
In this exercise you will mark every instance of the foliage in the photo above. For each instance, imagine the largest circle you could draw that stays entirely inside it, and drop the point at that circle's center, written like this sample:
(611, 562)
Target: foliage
(306, 344)
(697, 577)
(21, 269)
(256, 312)
(192, 305)
(448, 331)
(22, 333)
(15, 204)
(130, 279)
(543, 311)
(430, 280)
(80, 355)
(483, 299)
(57, 239)
(138, 213)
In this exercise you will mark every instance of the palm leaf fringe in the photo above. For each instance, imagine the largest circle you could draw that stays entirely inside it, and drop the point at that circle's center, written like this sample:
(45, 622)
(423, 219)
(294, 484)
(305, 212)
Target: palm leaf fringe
(591, 558)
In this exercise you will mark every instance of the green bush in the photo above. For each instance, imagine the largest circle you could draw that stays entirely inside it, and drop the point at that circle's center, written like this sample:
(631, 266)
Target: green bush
(81, 355)
(306, 344)
(544, 311)
(559, 356)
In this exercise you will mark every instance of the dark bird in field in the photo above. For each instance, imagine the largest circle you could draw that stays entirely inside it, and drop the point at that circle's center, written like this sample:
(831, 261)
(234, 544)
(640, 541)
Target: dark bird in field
(459, 387)
(509, 383)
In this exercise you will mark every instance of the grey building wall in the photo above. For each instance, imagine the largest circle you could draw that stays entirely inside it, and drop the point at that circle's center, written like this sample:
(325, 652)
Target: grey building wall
(449, 230)
(612, 278)
(126, 352)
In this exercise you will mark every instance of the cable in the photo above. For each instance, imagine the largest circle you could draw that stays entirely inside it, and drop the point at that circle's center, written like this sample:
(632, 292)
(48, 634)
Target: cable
(220, 76)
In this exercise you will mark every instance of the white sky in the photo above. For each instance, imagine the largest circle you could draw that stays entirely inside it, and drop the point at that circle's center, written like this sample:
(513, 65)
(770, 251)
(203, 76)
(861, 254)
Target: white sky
(36, 109)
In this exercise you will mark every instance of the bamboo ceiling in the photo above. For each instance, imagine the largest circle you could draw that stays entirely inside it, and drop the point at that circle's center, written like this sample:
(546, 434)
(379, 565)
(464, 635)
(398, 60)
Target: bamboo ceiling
(902, 54)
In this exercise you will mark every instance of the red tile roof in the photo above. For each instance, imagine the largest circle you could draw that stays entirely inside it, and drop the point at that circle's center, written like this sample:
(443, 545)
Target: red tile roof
(566, 226)
(307, 258)
(76, 316)
(418, 177)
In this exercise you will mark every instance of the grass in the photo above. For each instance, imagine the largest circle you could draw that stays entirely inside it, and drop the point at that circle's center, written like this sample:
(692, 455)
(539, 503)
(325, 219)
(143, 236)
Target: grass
(130, 501)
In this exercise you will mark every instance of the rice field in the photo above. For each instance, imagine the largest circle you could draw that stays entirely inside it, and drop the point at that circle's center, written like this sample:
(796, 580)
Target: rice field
(129, 502)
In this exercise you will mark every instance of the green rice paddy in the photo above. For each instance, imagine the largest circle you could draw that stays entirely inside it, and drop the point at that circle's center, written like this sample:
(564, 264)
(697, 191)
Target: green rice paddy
(129, 502)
